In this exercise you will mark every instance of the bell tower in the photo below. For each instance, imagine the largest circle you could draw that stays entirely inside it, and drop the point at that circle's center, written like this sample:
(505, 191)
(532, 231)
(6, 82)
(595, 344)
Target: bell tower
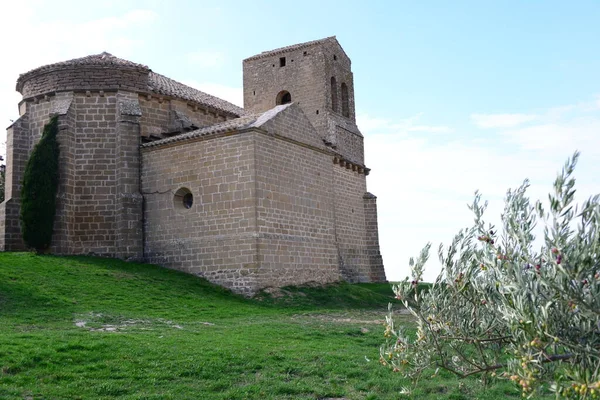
(318, 77)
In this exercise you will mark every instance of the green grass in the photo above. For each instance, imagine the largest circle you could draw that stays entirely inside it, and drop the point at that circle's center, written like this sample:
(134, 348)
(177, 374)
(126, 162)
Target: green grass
(92, 328)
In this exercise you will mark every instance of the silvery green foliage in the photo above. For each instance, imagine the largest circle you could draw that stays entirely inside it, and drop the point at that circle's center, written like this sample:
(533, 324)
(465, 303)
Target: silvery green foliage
(503, 307)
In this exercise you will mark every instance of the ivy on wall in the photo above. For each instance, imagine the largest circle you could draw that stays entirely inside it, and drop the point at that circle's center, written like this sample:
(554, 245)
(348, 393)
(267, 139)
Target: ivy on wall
(40, 184)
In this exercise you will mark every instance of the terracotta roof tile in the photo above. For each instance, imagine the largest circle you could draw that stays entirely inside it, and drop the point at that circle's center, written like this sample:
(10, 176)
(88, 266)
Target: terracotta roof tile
(157, 83)
(160, 84)
(102, 59)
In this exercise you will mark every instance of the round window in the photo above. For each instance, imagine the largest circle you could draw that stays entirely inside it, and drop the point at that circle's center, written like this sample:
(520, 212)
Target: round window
(188, 200)
(183, 199)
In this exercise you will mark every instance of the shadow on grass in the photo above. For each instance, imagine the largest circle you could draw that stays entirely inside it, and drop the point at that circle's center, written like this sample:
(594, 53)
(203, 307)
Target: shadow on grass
(336, 296)
(59, 286)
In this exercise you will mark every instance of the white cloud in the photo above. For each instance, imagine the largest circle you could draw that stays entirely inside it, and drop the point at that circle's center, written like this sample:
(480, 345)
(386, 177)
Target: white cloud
(501, 120)
(206, 59)
(560, 129)
(424, 183)
(577, 133)
(399, 128)
(430, 129)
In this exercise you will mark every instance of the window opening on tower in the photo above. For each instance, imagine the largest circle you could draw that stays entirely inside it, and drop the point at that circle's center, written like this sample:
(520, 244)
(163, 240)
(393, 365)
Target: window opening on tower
(284, 97)
(345, 105)
(334, 95)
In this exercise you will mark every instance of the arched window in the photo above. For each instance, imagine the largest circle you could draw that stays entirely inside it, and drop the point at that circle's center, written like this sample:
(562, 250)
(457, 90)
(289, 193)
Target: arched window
(284, 97)
(345, 105)
(334, 95)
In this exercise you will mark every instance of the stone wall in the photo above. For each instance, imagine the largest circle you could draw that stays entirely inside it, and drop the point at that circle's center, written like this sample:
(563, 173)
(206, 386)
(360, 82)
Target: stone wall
(349, 189)
(129, 199)
(94, 224)
(17, 152)
(62, 105)
(295, 203)
(349, 143)
(216, 237)
(376, 270)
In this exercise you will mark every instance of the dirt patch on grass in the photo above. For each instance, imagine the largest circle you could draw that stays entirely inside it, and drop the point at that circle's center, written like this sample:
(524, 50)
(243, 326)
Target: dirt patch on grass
(98, 322)
(355, 317)
(279, 293)
(124, 275)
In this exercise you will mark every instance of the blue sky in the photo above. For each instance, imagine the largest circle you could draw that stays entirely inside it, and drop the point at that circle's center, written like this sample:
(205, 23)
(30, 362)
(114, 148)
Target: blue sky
(451, 96)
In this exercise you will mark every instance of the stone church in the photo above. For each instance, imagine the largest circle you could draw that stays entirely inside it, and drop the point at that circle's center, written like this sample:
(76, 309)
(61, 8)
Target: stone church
(271, 194)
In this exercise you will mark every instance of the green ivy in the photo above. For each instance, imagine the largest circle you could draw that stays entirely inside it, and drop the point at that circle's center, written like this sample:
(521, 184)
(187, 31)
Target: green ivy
(40, 184)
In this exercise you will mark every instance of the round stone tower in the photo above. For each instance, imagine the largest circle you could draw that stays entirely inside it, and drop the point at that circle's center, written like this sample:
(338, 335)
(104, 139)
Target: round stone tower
(99, 207)
(106, 107)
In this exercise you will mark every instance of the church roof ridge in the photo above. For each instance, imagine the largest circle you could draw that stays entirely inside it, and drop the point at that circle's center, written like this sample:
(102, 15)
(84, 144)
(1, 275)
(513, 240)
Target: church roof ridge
(221, 127)
(244, 122)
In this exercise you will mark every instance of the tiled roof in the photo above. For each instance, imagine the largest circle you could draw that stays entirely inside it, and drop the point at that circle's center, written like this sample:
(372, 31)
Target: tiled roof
(103, 58)
(290, 48)
(247, 121)
(160, 84)
(157, 83)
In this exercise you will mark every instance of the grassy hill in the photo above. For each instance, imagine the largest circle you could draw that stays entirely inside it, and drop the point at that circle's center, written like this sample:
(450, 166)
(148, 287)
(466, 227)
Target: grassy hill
(93, 328)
